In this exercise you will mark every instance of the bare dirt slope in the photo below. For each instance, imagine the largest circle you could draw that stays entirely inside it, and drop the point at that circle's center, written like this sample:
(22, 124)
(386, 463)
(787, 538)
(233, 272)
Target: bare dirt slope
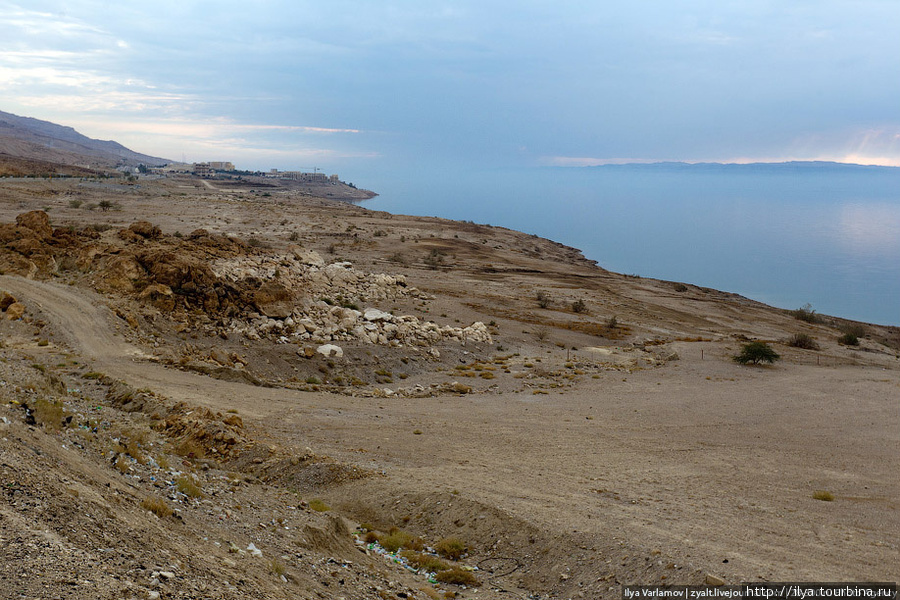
(575, 449)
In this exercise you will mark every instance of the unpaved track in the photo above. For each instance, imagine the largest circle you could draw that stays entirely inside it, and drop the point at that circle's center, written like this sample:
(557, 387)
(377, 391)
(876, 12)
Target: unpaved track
(705, 461)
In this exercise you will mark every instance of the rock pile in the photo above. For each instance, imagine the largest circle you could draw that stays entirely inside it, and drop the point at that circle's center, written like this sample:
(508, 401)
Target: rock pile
(297, 302)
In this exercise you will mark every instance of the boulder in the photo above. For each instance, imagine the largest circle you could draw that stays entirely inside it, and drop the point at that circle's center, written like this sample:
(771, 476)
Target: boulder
(160, 296)
(15, 311)
(145, 229)
(6, 300)
(373, 314)
(330, 350)
(307, 257)
(37, 221)
(274, 300)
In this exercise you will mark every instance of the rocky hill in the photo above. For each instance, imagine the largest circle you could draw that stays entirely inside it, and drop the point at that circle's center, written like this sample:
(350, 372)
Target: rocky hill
(29, 139)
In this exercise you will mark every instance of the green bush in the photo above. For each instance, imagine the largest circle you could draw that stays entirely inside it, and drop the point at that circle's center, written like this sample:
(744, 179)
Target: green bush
(849, 339)
(756, 353)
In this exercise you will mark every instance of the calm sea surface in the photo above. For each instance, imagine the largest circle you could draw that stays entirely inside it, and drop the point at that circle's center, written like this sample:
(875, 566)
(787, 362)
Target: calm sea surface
(787, 235)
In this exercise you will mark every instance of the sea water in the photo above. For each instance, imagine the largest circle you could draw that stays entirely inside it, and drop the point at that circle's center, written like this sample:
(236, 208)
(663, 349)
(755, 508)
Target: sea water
(786, 234)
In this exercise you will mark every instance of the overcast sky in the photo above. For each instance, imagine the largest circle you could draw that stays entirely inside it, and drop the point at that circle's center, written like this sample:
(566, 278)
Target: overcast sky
(351, 85)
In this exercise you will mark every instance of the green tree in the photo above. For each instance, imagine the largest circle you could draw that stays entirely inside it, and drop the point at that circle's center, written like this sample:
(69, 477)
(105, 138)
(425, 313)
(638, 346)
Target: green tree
(756, 353)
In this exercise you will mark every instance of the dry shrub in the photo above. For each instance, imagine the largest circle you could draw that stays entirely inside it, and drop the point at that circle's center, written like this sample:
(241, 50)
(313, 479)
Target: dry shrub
(188, 487)
(49, 413)
(425, 562)
(398, 538)
(122, 464)
(451, 547)
(318, 505)
(823, 495)
(189, 448)
(276, 567)
(157, 506)
(457, 576)
(804, 341)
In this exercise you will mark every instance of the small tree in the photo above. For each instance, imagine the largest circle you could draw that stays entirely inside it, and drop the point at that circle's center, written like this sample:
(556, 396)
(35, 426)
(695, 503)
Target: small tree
(756, 353)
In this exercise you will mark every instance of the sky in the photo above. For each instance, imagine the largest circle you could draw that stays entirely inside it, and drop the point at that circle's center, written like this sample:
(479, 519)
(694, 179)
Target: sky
(392, 86)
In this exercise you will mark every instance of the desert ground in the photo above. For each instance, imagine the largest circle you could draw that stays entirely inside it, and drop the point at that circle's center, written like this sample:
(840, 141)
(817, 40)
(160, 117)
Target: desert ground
(214, 390)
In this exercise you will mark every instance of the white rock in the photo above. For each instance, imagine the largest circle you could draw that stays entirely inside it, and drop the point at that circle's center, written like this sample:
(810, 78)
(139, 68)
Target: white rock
(330, 350)
(373, 314)
(308, 257)
(254, 551)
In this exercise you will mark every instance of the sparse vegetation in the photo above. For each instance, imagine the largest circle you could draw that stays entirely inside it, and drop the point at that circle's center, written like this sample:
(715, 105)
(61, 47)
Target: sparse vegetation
(157, 506)
(579, 306)
(49, 413)
(397, 539)
(457, 576)
(756, 353)
(806, 313)
(804, 341)
(434, 259)
(848, 339)
(543, 299)
(451, 547)
(425, 562)
(187, 486)
(823, 495)
(319, 505)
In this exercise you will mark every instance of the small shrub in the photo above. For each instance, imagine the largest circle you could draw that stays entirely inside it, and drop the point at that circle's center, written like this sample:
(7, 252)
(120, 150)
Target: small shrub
(157, 506)
(276, 567)
(823, 495)
(398, 538)
(371, 537)
(612, 323)
(848, 339)
(398, 258)
(188, 487)
(318, 505)
(579, 306)
(105, 205)
(295, 235)
(804, 341)
(680, 287)
(425, 562)
(74, 203)
(854, 329)
(49, 413)
(457, 576)
(806, 313)
(756, 353)
(313, 380)
(543, 299)
(451, 547)
(434, 259)
(188, 448)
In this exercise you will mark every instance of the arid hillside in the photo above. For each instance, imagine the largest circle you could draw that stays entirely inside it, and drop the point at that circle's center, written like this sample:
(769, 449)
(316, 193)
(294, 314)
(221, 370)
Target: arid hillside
(220, 390)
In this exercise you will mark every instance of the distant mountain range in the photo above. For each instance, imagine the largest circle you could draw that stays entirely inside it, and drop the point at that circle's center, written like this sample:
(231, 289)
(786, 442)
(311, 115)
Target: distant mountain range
(25, 142)
(794, 165)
